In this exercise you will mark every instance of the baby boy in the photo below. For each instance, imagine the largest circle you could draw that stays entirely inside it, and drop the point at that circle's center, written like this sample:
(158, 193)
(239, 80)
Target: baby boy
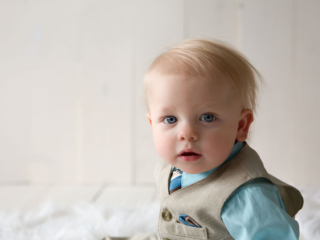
(212, 185)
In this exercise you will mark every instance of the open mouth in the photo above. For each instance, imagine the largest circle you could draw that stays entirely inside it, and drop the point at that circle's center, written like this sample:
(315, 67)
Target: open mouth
(189, 154)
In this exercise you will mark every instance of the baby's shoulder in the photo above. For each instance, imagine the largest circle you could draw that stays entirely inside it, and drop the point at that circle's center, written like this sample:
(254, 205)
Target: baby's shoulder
(258, 183)
(259, 188)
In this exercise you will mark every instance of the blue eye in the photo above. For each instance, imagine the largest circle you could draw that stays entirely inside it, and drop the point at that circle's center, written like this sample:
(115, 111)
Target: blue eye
(207, 117)
(170, 120)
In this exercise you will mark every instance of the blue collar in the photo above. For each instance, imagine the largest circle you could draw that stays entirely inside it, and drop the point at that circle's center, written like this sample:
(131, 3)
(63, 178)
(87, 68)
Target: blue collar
(188, 179)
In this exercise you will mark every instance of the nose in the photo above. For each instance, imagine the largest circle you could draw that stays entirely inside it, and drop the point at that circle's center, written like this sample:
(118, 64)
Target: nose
(188, 132)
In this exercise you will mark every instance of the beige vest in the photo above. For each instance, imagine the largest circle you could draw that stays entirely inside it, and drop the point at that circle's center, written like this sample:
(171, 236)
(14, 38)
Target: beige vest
(204, 199)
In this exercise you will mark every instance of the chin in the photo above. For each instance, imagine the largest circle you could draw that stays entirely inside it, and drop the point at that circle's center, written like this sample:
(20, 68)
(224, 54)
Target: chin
(192, 171)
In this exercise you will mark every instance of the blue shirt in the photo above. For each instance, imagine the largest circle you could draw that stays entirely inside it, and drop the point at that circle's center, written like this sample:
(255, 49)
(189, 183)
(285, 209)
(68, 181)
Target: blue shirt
(255, 211)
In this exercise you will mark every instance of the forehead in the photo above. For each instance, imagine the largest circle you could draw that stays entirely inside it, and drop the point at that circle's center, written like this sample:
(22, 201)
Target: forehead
(168, 91)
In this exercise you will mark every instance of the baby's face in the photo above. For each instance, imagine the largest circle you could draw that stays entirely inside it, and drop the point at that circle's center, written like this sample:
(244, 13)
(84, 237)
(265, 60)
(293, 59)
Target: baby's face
(194, 122)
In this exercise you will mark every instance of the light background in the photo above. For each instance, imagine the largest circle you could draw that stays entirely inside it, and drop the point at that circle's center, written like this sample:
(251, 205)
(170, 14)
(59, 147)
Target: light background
(71, 97)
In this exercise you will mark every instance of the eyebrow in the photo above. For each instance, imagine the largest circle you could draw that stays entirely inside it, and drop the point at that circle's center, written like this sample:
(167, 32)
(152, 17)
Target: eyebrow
(165, 109)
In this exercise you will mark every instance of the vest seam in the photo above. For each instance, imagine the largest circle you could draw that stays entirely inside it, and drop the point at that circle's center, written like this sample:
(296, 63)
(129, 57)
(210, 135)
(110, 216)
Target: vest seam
(243, 168)
(224, 237)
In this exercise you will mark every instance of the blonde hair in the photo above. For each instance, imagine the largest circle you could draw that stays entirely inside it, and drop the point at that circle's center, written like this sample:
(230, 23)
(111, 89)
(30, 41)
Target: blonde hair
(211, 60)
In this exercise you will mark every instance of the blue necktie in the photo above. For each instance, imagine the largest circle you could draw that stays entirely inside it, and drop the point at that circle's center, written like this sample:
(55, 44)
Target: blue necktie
(175, 182)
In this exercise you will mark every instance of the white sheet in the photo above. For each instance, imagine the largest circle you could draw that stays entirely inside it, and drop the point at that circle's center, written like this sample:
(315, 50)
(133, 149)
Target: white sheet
(87, 221)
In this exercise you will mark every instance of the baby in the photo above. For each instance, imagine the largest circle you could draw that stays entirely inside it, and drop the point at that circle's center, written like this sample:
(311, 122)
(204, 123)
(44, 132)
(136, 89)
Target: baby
(212, 185)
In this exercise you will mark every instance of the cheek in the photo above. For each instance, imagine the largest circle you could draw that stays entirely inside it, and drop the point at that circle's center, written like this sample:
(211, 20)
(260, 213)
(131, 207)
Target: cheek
(215, 141)
(163, 143)
(228, 132)
(219, 144)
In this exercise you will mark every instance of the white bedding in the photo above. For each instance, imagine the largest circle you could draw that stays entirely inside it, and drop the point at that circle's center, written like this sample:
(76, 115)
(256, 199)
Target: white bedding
(79, 221)
(309, 216)
(87, 221)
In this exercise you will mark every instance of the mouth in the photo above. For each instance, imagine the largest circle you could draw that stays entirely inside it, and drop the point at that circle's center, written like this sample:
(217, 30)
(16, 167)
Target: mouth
(189, 155)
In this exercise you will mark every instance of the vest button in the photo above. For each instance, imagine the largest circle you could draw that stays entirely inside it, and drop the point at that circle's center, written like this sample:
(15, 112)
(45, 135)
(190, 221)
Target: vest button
(166, 215)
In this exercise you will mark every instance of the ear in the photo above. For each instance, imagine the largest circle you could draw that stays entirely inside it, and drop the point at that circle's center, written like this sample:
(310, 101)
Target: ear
(246, 118)
(149, 117)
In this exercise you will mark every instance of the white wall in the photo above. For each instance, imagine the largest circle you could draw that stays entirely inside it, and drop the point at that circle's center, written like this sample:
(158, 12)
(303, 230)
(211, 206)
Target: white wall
(71, 97)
